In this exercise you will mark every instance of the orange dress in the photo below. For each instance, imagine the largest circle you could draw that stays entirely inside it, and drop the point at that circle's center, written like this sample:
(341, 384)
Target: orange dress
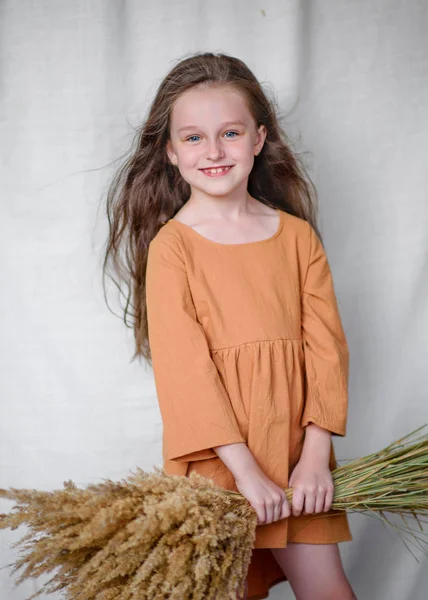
(247, 346)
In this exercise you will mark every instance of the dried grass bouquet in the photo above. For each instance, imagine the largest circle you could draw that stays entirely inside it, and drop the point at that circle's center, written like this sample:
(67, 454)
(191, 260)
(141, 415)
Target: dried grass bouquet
(154, 536)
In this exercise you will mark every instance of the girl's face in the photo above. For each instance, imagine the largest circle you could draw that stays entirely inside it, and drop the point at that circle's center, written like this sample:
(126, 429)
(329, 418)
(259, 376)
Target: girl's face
(210, 128)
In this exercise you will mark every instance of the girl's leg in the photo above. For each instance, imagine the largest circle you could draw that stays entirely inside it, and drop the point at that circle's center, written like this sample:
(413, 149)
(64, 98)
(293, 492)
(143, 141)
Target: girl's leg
(315, 571)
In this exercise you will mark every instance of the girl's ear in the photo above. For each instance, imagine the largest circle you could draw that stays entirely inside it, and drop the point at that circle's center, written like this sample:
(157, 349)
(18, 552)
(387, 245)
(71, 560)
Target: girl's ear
(171, 155)
(260, 140)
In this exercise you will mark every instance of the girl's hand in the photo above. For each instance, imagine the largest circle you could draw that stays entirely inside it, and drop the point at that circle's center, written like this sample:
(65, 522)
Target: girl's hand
(313, 488)
(268, 499)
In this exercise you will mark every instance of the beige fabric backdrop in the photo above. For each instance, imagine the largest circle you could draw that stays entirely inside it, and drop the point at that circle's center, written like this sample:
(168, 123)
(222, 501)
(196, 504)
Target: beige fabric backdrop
(75, 78)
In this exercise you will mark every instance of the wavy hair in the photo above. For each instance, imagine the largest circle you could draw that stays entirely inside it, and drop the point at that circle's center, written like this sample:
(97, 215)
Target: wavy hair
(147, 189)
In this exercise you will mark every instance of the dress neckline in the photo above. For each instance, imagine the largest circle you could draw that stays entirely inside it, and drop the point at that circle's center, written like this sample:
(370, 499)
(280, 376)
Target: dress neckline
(186, 227)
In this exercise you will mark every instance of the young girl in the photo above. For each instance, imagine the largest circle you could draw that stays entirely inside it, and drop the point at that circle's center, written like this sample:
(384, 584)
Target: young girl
(235, 308)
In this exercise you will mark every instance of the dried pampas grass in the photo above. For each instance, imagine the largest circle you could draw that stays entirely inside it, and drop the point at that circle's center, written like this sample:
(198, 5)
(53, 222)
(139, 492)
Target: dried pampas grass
(148, 537)
(155, 536)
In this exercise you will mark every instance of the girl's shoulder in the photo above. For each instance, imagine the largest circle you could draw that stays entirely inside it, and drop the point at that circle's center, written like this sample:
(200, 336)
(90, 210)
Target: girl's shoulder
(166, 234)
(300, 227)
(167, 243)
(298, 233)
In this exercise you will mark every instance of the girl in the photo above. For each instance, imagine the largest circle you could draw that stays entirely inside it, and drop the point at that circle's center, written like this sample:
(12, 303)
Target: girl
(236, 311)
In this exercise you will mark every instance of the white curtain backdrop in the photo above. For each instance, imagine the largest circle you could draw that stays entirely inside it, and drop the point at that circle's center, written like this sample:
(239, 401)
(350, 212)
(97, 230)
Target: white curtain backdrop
(76, 77)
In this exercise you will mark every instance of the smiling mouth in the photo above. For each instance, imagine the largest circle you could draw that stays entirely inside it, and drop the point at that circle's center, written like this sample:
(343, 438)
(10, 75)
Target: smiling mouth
(214, 170)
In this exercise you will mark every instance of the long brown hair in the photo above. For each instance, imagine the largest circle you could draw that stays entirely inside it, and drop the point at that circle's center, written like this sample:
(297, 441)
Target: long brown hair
(148, 190)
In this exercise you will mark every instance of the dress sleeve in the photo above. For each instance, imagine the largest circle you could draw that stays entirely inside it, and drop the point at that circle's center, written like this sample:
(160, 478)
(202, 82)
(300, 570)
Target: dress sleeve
(325, 346)
(195, 408)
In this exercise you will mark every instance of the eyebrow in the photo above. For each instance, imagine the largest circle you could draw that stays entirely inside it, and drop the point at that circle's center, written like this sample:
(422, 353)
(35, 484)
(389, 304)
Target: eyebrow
(222, 125)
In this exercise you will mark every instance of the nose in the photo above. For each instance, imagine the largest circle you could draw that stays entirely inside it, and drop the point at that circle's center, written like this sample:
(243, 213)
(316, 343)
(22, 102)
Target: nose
(215, 150)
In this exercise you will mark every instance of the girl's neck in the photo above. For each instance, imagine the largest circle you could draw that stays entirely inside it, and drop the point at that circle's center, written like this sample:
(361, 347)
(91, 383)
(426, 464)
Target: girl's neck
(228, 209)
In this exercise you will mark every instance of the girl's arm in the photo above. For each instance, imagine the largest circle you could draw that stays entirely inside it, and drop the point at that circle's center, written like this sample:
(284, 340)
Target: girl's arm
(317, 444)
(196, 410)
(238, 458)
(325, 345)
(326, 390)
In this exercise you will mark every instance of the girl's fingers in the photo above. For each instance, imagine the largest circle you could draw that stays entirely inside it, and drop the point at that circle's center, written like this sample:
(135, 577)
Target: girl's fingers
(328, 500)
(261, 515)
(276, 512)
(285, 512)
(297, 502)
(269, 513)
(320, 502)
(310, 502)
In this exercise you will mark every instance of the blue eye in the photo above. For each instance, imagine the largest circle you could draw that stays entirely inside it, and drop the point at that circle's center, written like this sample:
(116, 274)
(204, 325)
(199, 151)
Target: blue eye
(197, 136)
